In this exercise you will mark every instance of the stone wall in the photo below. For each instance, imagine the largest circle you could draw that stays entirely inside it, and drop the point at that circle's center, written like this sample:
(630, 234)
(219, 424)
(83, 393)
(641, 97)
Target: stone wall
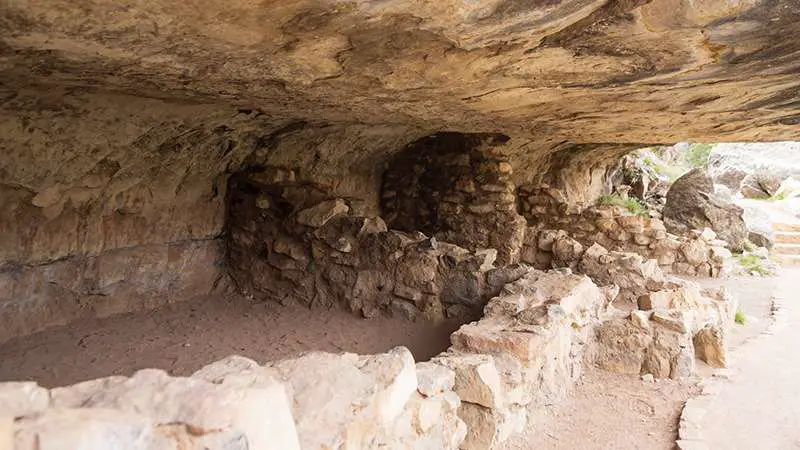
(552, 219)
(290, 241)
(525, 353)
(236, 404)
(458, 188)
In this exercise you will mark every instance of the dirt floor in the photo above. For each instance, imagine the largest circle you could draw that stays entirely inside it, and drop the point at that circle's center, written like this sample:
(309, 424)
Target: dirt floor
(609, 411)
(613, 411)
(183, 337)
(605, 411)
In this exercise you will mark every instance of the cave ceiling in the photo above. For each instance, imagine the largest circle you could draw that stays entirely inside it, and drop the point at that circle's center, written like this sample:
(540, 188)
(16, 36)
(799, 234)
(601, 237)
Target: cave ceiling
(540, 71)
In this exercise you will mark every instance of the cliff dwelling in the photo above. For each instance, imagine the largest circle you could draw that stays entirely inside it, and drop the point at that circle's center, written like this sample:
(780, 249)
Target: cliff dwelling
(382, 224)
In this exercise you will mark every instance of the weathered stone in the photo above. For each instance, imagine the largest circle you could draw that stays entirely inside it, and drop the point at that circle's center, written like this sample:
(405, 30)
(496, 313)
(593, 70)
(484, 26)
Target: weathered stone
(708, 235)
(720, 254)
(372, 225)
(434, 379)
(673, 323)
(360, 395)
(641, 239)
(632, 224)
(566, 252)
(656, 300)
(641, 318)
(484, 208)
(692, 204)
(548, 237)
(258, 410)
(621, 346)
(219, 371)
(89, 428)
(476, 378)
(695, 252)
(483, 427)
(321, 213)
(684, 268)
(290, 248)
(22, 398)
(670, 355)
(709, 346)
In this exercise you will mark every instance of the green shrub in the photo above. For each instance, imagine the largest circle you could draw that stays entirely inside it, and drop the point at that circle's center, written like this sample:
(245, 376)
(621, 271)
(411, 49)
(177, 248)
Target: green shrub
(740, 318)
(697, 155)
(777, 197)
(752, 263)
(630, 204)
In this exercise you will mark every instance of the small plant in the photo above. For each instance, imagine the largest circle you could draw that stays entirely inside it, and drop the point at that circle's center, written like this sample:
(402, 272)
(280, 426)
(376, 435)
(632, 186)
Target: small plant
(662, 169)
(630, 204)
(752, 263)
(740, 318)
(697, 155)
(777, 197)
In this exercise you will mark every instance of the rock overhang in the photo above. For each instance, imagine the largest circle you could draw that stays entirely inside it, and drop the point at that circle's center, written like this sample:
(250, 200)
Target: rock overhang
(545, 71)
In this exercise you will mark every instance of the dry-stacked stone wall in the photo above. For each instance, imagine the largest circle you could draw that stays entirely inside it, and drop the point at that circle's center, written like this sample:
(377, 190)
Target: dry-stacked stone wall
(457, 188)
(551, 219)
(291, 242)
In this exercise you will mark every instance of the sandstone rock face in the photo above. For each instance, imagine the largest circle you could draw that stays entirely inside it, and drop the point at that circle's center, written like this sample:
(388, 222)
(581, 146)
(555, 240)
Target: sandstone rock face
(692, 204)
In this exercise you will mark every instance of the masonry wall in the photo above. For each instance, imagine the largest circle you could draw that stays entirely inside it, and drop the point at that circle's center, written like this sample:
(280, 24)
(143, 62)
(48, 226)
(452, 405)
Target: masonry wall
(458, 188)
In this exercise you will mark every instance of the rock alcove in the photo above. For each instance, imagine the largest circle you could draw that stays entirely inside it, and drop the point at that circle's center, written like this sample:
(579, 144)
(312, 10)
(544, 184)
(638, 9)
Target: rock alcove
(411, 160)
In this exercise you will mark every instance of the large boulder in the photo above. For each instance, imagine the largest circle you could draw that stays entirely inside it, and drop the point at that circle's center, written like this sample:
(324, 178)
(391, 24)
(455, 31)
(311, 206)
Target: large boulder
(759, 224)
(756, 169)
(692, 204)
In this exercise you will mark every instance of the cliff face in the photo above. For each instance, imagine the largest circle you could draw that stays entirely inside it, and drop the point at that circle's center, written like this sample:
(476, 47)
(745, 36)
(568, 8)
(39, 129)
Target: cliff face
(121, 121)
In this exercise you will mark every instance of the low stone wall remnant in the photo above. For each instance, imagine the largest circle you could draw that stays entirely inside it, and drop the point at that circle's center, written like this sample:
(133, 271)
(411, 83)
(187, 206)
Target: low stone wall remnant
(697, 253)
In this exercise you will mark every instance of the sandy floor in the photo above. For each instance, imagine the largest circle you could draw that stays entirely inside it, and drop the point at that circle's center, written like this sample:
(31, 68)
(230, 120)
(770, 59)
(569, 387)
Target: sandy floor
(183, 337)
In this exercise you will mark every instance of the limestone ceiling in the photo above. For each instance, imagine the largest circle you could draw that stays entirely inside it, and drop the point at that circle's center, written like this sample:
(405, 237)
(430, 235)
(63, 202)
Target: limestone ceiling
(546, 70)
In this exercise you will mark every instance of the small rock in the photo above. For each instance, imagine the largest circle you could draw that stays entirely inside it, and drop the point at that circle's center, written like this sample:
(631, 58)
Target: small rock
(641, 319)
(434, 379)
(320, 214)
(669, 321)
(648, 378)
(476, 378)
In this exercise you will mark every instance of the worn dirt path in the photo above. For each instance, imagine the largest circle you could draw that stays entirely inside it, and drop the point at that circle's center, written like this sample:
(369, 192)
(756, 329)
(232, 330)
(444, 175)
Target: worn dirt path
(759, 408)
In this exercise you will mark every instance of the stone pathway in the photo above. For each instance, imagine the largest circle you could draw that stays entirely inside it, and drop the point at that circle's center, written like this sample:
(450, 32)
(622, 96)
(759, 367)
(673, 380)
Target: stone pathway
(758, 407)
